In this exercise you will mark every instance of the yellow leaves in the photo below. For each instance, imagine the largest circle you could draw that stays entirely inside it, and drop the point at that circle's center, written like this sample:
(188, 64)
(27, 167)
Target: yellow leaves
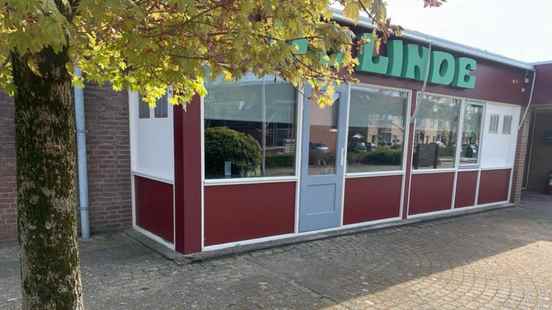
(351, 10)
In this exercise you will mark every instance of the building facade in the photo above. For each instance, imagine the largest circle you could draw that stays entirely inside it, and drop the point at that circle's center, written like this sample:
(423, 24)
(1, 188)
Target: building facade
(255, 160)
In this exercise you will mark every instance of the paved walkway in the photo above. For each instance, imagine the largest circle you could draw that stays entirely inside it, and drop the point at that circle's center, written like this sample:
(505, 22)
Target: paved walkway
(495, 260)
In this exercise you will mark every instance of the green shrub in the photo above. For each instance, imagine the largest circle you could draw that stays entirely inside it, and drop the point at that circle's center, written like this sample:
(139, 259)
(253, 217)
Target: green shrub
(224, 144)
(280, 160)
(384, 156)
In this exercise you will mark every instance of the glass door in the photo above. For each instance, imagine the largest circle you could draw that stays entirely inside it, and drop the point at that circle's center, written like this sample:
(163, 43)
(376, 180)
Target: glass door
(322, 162)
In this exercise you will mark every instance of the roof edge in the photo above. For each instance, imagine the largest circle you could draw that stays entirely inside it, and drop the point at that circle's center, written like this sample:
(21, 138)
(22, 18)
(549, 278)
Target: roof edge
(364, 21)
(539, 63)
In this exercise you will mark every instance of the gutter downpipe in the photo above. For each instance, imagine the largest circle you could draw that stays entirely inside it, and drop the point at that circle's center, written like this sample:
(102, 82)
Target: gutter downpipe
(530, 101)
(81, 159)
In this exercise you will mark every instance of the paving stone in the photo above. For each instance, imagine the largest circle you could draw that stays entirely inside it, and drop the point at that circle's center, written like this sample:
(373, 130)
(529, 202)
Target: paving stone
(495, 260)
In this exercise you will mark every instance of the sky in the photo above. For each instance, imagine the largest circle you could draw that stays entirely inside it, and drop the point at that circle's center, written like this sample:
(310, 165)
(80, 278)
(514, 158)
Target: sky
(519, 29)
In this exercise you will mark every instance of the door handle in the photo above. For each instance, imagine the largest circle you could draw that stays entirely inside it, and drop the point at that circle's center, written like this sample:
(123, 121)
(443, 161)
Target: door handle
(342, 156)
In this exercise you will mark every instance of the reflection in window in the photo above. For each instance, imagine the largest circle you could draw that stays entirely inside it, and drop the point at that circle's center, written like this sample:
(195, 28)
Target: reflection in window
(471, 134)
(250, 129)
(323, 139)
(375, 140)
(436, 132)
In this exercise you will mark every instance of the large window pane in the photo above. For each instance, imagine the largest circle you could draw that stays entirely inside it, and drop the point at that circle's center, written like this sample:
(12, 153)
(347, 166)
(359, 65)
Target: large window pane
(323, 139)
(436, 132)
(471, 134)
(250, 129)
(376, 130)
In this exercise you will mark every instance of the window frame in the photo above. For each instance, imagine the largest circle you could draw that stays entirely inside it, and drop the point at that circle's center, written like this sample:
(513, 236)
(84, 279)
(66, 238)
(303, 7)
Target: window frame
(465, 103)
(406, 139)
(510, 124)
(492, 130)
(250, 80)
(458, 135)
(152, 112)
(165, 101)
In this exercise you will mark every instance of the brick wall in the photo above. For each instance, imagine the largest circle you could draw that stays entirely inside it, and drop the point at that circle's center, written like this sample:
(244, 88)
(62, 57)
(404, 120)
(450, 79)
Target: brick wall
(108, 158)
(108, 161)
(7, 169)
(521, 157)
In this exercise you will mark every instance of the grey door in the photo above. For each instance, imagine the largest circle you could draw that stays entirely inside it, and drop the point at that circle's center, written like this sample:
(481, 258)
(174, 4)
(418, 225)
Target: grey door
(322, 162)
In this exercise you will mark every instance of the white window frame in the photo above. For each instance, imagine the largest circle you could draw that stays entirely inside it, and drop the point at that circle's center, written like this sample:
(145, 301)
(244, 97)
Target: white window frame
(458, 136)
(402, 171)
(466, 102)
(151, 114)
(251, 80)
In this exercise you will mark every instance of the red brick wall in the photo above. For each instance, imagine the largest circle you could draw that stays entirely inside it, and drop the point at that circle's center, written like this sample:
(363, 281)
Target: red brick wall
(108, 158)
(7, 169)
(108, 162)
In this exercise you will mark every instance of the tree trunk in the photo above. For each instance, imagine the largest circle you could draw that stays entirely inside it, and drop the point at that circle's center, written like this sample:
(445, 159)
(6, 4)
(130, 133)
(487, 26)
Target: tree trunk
(46, 200)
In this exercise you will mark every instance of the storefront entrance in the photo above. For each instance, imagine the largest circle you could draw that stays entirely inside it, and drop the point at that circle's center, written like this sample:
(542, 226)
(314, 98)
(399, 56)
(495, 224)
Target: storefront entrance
(323, 162)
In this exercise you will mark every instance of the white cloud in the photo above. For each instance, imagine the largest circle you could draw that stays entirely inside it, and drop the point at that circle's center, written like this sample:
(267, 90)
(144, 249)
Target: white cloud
(518, 29)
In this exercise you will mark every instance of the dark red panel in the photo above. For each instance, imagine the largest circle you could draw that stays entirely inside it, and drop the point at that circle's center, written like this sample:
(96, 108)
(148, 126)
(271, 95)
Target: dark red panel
(431, 192)
(369, 199)
(543, 90)
(466, 187)
(242, 212)
(154, 207)
(494, 185)
(187, 165)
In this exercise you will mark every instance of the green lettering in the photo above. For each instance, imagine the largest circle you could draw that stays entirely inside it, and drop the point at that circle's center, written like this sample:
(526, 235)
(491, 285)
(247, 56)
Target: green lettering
(371, 63)
(415, 66)
(396, 56)
(464, 79)
(443, 68)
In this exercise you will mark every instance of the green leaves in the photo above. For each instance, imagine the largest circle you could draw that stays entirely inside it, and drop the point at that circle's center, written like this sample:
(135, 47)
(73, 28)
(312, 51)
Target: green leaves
(148, 46)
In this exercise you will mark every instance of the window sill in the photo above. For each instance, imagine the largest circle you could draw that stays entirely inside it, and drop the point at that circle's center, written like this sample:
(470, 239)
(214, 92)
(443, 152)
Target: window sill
(256, 180)
(354, 175)
(432, 171)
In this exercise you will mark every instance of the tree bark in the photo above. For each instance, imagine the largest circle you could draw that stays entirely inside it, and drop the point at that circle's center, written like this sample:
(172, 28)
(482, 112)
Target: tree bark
(46, 200)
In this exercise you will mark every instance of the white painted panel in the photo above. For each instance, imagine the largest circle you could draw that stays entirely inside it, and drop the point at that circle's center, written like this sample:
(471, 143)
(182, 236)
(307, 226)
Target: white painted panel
(499, 147)
(152, 143)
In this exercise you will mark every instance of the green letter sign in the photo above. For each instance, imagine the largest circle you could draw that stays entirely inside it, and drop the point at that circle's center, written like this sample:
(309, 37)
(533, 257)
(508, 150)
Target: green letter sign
(463, 77)
(369, 62)
(442, 68)
(412, 63)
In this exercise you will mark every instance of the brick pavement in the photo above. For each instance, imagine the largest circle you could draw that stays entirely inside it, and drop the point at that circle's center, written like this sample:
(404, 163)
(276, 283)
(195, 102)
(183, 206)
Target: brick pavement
(494, 260)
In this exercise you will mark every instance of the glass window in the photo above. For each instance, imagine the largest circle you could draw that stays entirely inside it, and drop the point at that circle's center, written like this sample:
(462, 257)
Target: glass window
(250, 129)
(507, 125)
(143, 108)
(375, 140)
(162, 107)
(471, 134)
(323, 139)
(436, 132)
(493, 126)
